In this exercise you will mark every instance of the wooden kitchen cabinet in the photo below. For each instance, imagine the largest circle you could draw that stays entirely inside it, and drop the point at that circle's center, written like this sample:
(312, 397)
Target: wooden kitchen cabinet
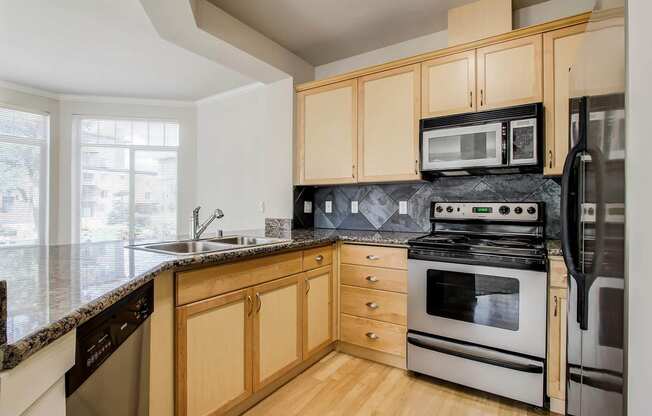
(317, 310)
(389, 109)
(277, 328)
(448, 85)
(510, 73)
(560, 48)
(327, 129)
(557, 333)
(213, 358)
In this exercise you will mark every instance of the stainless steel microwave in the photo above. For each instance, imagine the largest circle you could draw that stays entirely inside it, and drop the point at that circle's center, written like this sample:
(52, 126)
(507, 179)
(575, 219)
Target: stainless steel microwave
(508, 140)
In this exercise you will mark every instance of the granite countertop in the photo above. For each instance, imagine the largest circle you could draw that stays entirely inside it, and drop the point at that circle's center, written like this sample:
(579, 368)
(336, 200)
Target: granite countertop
(554, 248)
(53, 289)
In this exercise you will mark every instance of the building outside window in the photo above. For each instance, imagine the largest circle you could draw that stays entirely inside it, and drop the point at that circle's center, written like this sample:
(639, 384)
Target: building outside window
(128, 186)
(24, 138)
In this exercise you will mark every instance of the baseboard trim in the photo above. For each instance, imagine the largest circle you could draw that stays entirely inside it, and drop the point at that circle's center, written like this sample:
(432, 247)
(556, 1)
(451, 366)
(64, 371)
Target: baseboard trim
(372, 355)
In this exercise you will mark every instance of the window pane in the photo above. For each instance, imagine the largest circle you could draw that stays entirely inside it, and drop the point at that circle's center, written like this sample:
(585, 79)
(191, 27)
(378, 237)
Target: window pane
(89, 131)
(22, 124)
(156, 134)
(104, 194)
(19, 190)
(107, 131)
(140, 133)
(171, 134)
(156, 195)
(123, 132)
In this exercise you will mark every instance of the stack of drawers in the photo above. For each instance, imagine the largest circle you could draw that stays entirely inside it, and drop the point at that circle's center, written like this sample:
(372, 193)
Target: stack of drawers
(373, 298)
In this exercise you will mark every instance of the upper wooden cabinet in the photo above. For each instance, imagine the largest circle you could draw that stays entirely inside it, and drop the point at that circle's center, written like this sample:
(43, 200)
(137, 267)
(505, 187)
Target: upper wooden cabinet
(448, 85)
(389, 109)
(213, 361)
(560, 48)
(327, 129)
(510, 73)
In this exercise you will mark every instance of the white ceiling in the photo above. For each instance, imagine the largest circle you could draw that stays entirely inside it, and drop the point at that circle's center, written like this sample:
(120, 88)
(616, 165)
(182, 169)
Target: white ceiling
(100, 47)
(322, 31)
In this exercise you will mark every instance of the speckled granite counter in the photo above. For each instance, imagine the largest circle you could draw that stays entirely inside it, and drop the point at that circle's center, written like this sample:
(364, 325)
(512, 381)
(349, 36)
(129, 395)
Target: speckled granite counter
(53, 289)
(553, 247)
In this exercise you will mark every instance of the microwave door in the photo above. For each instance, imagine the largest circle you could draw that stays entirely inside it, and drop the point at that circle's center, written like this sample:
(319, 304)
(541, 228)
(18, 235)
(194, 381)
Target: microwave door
(463, 147)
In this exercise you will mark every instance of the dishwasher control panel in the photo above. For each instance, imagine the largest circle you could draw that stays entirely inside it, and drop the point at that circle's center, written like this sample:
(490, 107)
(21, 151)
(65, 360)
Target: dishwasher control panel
(103, 334)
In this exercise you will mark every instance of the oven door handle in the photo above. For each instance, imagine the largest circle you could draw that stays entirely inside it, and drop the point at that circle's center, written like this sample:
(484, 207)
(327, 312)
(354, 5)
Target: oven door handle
(526, 368)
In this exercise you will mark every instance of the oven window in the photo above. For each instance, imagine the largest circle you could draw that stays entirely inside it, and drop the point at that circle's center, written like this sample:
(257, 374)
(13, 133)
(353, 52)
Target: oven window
(480, 299)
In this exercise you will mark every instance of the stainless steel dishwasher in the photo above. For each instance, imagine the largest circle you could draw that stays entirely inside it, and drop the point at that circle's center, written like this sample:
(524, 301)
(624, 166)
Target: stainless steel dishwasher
(111, 371)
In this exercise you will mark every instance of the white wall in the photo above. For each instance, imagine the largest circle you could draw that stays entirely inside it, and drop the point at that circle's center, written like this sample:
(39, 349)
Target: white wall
(244, 155)
(539, 13)
(639, 199)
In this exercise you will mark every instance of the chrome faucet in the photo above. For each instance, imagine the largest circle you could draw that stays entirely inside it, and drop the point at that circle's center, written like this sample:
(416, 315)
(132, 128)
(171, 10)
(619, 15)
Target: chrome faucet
(196, 230)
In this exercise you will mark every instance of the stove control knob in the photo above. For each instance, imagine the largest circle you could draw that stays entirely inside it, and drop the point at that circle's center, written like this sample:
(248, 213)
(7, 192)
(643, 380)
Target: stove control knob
(518, 210)
(504, 210)
(439, 209)
(449, 209)
(531, 210)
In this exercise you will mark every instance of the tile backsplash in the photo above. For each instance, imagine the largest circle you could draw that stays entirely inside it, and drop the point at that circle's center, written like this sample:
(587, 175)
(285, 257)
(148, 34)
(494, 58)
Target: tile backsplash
(378, 205)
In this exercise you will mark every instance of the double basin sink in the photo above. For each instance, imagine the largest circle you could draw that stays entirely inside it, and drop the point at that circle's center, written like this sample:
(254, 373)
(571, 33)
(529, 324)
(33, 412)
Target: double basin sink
(189, 247)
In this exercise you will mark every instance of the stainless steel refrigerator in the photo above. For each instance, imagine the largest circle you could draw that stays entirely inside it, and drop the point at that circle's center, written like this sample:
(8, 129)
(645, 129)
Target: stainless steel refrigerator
(593, 223)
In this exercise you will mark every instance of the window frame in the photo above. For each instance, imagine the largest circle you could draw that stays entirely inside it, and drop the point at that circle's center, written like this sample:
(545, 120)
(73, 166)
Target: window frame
(131, 171)
(44, 181)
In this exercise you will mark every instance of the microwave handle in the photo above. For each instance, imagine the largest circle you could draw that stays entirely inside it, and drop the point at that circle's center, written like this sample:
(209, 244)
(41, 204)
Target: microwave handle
(506, 142)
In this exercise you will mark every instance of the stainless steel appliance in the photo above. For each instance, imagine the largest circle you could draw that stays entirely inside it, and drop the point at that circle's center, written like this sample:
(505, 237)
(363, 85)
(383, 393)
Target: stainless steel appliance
(111, 372)
(593, 218)
(477, 298)
(508, 140)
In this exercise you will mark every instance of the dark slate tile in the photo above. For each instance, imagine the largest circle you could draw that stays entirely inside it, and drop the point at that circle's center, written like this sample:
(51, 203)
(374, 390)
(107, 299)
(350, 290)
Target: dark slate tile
(455, 189)
(301, 195)
(341, 204)
(377, 206)
(356, 222)
(514, 187)
(550, 194)
(419, 206)
(321, 220)
(481, 192)
(403, 223)
(355, 192)
(401, 191)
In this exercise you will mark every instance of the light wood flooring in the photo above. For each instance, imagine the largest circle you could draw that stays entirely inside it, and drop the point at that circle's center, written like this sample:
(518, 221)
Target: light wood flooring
(341, 384)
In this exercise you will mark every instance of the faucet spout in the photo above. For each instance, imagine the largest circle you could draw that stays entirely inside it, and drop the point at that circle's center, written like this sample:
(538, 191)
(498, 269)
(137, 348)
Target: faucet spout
(198, 229)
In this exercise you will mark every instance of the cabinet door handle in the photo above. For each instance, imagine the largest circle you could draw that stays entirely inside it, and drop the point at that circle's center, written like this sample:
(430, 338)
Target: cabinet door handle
(372, 257)
(251, 305)
(259, 302)
(307, 286)
(319, 258)
(481, 98)
(372, 305)
(416, 167)
(550, 158)
(372, 279)
(372, 335)
(556, 304)
(353, 171)
(471, 101)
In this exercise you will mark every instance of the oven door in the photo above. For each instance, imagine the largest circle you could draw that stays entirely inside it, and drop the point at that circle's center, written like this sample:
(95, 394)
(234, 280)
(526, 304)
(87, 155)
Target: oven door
(463, 147)
(489, 306)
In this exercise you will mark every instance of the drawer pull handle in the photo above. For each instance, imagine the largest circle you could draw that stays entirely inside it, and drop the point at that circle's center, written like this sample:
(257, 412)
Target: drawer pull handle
(372, 305)
(372, 335)
(251, 305)
(372, 257)
(556, 305)
(319, 258)
(372, 279)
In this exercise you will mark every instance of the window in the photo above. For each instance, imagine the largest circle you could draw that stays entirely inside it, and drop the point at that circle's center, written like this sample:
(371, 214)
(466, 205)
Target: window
(23, 176)
(128, 179)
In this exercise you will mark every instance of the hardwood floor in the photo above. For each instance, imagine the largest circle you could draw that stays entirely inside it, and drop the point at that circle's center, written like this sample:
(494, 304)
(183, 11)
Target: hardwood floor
(341, 384)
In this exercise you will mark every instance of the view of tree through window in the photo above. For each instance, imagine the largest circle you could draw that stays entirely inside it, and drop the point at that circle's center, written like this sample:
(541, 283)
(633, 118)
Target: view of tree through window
(128, 179)
(23, 154)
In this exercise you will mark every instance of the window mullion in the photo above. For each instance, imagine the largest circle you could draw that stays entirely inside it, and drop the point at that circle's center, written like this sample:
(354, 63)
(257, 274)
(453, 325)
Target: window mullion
(132, 194)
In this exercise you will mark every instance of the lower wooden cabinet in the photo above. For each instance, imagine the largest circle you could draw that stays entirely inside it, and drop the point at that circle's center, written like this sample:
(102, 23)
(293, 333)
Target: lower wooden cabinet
(213, 359)
(317, 310)
(557, 333)
(277, 327)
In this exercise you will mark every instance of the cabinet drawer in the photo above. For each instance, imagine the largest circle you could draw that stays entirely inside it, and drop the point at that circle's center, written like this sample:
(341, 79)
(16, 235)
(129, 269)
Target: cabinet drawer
(558, 273)
(317, 257)
(376, 335)
(203, 283)
(374, 304)
(392, 257)
(374, 278)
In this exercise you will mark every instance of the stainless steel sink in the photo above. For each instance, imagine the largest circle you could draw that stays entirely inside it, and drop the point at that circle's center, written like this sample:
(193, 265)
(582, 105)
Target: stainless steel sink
(190, 247)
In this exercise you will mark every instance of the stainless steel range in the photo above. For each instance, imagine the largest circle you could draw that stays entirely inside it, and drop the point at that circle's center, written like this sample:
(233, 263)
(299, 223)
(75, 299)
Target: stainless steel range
(477, 290)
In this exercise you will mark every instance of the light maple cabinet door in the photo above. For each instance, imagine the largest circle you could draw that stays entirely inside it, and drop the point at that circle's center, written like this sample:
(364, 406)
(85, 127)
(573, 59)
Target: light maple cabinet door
(327, 128)
(389, 109)
(277, 327)
(557, 332)
(448, 85)
(317, 310)
(510, 73)
(213, 359)
(560, 48)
